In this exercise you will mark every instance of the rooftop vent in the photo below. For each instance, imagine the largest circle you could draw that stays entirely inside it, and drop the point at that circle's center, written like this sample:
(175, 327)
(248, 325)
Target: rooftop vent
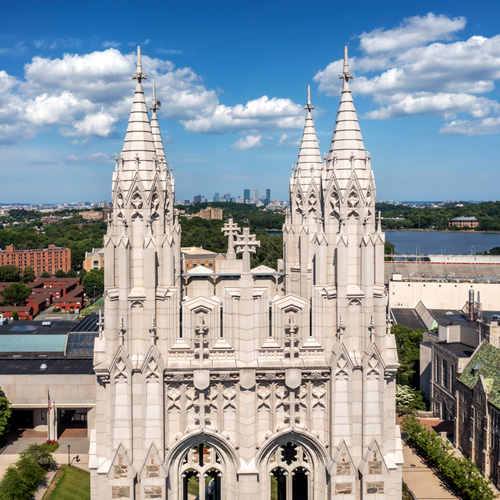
(47, 324)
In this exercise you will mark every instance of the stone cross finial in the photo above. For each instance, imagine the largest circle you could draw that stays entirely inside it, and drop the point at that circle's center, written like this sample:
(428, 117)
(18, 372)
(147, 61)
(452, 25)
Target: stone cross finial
(379, 222)
(308, 106)
(139, 76)
(156, 105)
(230, 229)
(246, 244)
(346, 76)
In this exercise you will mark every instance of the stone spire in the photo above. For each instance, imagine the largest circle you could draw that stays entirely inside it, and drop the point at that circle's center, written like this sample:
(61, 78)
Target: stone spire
(309, 161)
(155, 129)
(139, 141)
(346, 141)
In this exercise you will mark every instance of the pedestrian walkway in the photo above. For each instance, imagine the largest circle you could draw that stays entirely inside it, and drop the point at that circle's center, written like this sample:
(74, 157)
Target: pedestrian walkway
(422, 480)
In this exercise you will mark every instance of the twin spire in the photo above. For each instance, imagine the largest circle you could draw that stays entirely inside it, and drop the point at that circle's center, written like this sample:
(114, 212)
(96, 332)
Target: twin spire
(347, 143)
(143, 143)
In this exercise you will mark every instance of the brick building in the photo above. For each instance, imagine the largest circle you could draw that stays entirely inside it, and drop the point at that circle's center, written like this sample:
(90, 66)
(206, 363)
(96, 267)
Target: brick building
(91, 215)
(49, 259)
(470, 222)
(195, 256)
(210, 213)
(51, 219)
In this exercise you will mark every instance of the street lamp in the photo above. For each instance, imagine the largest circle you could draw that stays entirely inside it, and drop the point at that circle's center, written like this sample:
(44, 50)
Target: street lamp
(69, 460)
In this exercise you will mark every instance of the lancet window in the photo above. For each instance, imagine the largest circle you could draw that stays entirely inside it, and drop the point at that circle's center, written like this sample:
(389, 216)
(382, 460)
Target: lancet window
(201, 472)
(290, 474)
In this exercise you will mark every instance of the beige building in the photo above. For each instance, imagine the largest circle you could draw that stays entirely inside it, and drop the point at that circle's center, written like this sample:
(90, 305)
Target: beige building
(94, 259)
(196, 256)
(267, 384)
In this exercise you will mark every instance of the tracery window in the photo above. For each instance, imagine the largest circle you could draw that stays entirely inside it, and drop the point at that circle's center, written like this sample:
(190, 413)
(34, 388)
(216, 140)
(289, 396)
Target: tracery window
(290, 473)
(201, 472)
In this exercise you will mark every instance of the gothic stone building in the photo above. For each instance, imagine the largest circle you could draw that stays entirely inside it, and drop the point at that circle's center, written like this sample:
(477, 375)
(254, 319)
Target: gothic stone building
(239, 386)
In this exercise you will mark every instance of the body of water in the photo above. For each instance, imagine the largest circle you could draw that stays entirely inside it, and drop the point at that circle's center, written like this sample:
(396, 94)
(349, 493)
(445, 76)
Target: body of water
(442, 242)
(439, 242)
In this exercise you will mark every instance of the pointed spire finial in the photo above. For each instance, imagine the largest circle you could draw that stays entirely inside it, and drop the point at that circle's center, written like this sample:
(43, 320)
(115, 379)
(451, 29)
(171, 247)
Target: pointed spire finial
(346, 76)
(156, 105)
(139, 76)
(308, 106)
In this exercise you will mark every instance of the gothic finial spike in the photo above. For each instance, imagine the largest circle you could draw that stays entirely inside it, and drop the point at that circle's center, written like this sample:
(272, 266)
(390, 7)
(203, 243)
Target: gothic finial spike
(139, 76)
(379, 223)
(346, 76)
(154, 94)
(308, 106)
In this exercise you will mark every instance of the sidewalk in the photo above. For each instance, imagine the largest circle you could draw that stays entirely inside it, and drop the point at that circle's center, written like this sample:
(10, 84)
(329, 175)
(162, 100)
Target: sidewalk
(422, 480)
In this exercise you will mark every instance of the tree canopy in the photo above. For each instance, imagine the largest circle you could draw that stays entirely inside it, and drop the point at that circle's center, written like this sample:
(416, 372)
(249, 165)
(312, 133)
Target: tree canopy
(5, 413)
(15, 294)
(93, 282)
(408, 346)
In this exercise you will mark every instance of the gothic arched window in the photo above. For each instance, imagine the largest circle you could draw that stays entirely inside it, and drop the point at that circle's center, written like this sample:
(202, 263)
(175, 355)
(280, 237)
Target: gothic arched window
(201, 472)
(290, 473)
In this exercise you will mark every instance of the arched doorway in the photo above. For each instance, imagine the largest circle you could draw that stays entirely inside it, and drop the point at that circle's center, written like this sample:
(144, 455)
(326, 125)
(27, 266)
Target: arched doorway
(201, 472)
(290, 473)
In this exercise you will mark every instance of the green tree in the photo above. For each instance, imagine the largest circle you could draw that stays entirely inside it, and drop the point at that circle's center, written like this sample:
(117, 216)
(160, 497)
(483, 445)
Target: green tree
(5, 413)
(45, 274)
(15, 315)
(408, 399)
(82, 273)
(28, 274)
(10, 273)
(13, 485)
(16, 294)
(408, 346)
(60, 274)
(93, 282)
(71, 274)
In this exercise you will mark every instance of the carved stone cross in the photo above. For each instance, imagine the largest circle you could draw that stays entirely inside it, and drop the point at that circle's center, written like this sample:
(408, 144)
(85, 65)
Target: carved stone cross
(201, 341)
(246, 244)
(230, 229)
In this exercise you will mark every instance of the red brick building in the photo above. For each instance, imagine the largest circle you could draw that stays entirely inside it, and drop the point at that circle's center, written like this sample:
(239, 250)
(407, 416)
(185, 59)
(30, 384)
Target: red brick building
(46, 259)
(72, 301)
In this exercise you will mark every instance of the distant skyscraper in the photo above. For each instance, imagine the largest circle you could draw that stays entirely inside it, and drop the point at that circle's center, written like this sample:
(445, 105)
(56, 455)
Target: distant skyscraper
(197, 198)
(216, 197)
(255, 195)
(246, 195)
(268, 196)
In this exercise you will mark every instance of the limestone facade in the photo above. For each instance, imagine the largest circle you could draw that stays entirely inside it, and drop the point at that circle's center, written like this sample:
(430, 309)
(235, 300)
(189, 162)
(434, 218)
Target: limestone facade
(249, 384)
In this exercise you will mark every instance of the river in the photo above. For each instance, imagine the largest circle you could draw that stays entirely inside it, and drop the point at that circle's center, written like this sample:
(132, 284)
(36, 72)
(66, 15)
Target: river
(442, 242)
(439, 242)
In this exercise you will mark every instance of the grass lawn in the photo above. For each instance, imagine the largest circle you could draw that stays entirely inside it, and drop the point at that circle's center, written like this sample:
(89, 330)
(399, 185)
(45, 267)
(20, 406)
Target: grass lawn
(69, 483)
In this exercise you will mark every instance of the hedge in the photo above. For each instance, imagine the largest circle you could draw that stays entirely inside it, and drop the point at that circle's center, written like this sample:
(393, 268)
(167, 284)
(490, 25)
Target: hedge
(462, 475)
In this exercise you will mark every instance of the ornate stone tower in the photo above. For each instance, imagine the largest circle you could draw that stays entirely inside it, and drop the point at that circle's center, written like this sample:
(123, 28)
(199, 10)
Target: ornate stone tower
(230, 388)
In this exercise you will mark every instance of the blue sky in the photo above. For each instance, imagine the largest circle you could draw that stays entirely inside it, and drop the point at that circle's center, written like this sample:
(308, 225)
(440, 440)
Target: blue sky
(232, 80)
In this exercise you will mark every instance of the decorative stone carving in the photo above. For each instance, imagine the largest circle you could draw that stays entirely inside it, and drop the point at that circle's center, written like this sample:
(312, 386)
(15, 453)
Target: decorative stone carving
(352, 205)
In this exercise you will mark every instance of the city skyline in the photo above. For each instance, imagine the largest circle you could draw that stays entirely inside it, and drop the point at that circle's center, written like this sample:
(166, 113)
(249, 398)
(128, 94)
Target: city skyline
(232, 83)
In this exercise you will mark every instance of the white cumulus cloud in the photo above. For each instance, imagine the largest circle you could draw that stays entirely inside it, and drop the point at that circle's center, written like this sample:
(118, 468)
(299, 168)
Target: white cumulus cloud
(248, 142)
(420, 67)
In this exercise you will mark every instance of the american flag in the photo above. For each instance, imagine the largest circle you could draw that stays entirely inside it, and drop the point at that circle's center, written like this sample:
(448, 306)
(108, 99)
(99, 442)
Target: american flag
(49, 401)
